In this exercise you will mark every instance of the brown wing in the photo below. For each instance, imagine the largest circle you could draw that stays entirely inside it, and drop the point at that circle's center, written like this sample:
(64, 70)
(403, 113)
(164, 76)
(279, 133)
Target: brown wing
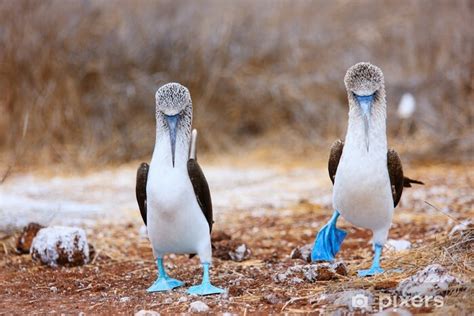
(334, 157)
(395, 172)
(140, 188)
(201, 190)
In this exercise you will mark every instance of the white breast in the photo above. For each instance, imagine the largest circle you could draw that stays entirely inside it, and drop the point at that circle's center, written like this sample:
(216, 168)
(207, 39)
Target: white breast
(362, 191)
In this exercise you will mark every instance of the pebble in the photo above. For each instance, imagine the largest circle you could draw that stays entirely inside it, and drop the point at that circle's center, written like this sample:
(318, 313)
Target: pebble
(182, 299)
(240, 253)
(432, 280)
(303, 252)
(398, 244)
(124, 299)
(198, 307)
(59, 245)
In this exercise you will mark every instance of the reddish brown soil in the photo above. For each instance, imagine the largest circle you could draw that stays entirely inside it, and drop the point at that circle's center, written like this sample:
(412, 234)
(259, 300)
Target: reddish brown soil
(116, 280)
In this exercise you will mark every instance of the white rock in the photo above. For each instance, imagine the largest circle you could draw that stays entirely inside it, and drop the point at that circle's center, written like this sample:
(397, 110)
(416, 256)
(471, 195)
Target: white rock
(280, 277)
(241, 253)
(464, 225)
(198, 307)
(398, 244)
(58, 245)
(145, 312)
(432, 280)
(124, 299)
(303, 252)
(182, 299)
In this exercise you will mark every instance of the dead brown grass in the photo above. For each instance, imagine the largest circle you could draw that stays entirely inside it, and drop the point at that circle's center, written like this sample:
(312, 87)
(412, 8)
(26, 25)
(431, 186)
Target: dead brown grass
(78, 78)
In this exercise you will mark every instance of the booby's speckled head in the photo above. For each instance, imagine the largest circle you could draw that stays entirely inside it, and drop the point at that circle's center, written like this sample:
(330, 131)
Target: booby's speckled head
(172, 98)
(364, 79)
(174, 113)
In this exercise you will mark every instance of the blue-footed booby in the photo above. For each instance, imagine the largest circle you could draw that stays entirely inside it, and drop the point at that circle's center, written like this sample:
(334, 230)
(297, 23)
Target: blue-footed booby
(367, 176)
(172, 192)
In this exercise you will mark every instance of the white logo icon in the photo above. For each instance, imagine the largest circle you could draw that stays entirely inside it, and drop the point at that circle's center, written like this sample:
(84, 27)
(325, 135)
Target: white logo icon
(360, 301)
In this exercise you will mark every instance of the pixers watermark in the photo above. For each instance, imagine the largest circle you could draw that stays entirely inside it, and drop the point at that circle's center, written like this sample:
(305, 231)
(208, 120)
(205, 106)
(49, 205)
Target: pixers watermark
(384, 301)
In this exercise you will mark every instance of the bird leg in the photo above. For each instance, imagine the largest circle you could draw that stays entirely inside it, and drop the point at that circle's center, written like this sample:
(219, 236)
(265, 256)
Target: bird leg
(205, 288)
(328, 241)
(375, 268)
(163, 282)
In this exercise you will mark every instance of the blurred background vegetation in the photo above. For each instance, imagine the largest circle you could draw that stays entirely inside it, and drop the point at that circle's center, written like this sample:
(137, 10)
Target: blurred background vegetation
(77, 78)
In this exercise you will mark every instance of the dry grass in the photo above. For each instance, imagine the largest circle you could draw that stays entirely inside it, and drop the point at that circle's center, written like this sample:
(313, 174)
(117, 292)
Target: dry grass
(78, 77)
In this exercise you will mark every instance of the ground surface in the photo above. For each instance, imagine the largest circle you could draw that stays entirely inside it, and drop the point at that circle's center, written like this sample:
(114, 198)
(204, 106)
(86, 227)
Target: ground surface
(272, 210)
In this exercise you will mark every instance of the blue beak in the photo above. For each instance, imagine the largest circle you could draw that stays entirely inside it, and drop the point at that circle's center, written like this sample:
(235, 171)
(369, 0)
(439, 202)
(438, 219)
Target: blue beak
(172, 121)
(365, 103)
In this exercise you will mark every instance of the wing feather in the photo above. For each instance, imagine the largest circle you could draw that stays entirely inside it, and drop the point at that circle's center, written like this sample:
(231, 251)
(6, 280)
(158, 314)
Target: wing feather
(395, 172)
(334, 158)
(140, 188)
(201, 190)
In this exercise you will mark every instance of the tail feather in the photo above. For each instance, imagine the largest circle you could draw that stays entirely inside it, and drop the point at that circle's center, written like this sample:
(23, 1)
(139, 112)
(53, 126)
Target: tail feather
(407, 182)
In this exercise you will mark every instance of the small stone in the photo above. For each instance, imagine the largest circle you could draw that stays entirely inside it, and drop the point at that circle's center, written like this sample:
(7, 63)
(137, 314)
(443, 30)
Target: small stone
(53, 289)
(198, 307)
(319, 272)
(60, 245)
(26, 237)
(240, 253)
(182, 299)
(124, 299)
(168, 301)
(323, 299)
(461, 228)
(231, 250)
(145, 312)
(271, 299)
(340, 268)
(296, 269)
(398, 244)
(303, 252)
(432, 280)
(280, 277)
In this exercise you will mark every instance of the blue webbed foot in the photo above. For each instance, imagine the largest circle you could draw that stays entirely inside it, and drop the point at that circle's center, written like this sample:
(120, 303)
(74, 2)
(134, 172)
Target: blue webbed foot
(164, 282)
(205, 288)
(375, 268)
(328, 242)
(370, 272)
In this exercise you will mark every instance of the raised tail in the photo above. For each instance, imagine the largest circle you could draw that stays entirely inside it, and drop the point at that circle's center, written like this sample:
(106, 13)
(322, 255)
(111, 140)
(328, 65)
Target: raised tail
(407, 182)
